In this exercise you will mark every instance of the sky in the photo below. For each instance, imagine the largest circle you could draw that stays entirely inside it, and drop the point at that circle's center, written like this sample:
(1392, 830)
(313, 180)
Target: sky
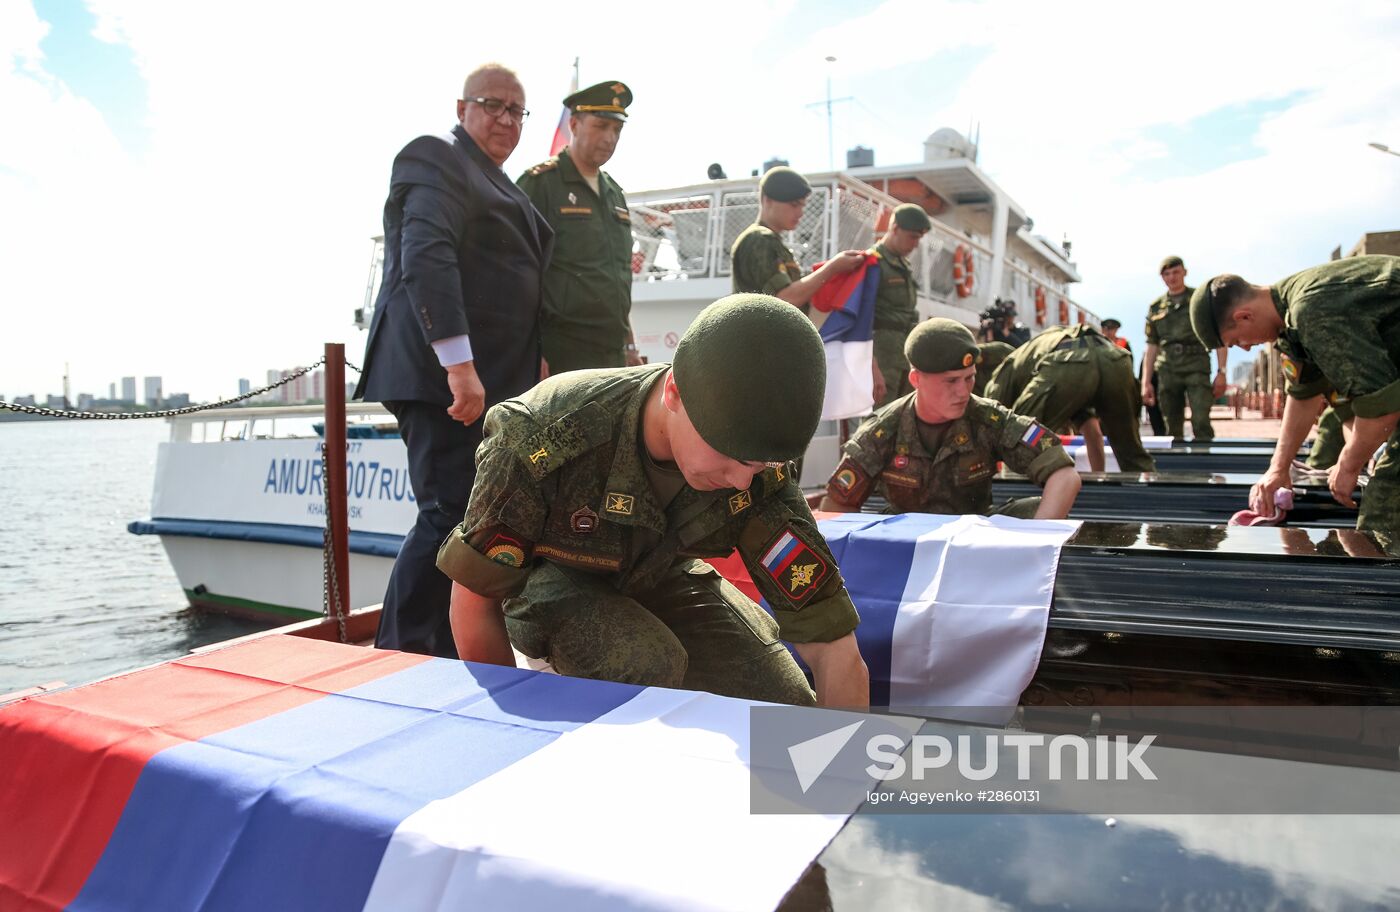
(190, 190)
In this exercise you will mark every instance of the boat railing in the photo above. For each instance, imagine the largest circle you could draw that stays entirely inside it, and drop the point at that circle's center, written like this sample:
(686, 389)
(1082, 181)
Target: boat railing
(1019, 284)
(267, 422)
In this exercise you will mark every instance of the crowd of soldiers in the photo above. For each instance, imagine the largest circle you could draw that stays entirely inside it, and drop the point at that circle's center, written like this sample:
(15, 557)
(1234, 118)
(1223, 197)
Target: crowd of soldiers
(600, 491)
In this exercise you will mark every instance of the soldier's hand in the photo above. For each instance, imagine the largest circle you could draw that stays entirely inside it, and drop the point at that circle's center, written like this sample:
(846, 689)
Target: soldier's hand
(1149, 395)
(544, 368)
(845, 261)
(1341, 481)
(468, 395)
(1217, 389)
(1261, 496)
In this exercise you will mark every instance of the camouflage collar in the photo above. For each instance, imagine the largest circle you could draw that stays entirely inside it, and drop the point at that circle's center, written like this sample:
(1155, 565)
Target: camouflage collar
(894, 259)
(628, 498)
(1281, 307)
(908, 442)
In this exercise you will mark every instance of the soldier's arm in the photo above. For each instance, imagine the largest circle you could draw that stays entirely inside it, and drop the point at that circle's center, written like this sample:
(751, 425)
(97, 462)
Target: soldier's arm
(1061, 489)
(804, 289)
(854, 478)
(1298, 417)
(839, 672)
(479, 628)
(1029, 447)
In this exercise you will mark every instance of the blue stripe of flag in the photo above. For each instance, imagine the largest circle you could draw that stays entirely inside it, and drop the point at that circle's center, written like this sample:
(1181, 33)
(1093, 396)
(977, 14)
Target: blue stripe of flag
(251, 818)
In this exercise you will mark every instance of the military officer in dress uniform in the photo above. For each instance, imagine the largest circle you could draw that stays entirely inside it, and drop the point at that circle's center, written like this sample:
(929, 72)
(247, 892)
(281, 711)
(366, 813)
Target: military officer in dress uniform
(1175, 356)
(1338, 328)
(1074, 376)
(936, 449)
(761, 262)
(895, 300)
(599, 493)
(588, 287)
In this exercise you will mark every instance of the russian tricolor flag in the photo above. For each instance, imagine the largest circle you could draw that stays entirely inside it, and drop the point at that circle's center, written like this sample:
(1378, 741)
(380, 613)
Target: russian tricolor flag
(848, 333)
(285, 773)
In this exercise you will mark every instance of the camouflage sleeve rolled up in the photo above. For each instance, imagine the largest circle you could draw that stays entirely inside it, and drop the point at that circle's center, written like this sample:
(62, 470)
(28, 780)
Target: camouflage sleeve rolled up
(762, 263)
(793, 569)
(490, 552)
(1030, 448)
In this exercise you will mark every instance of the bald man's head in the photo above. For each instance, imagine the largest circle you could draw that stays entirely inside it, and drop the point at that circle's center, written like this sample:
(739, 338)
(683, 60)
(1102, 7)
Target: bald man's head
(485, 74)
(493, 85)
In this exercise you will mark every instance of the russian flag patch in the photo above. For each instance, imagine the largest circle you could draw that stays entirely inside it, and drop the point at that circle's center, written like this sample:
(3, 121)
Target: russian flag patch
(794, 567)
(1032, 435)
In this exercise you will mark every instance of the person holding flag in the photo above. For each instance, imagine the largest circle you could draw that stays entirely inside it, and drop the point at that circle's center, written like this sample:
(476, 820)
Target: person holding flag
(586, 321)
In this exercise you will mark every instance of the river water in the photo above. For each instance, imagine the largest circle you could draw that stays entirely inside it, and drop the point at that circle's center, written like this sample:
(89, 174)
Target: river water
(80, 597)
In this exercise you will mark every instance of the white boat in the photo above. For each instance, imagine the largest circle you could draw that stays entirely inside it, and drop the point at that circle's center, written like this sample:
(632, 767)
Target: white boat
(239, 507)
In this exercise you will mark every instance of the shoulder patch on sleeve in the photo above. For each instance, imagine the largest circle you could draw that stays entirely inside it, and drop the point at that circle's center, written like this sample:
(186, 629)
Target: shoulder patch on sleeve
(849, 484)
(797, 569)
(564, 440)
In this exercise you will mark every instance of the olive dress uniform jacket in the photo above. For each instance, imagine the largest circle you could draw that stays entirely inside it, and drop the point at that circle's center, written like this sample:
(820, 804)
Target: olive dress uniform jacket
(560, 478)
(1169, 328)
(588, 286)
(464, 252)
(761, 263)
(888, 454)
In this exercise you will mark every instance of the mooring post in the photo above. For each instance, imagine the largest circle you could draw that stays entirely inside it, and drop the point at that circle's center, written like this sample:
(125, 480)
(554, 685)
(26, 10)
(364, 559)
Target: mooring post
(335, 471)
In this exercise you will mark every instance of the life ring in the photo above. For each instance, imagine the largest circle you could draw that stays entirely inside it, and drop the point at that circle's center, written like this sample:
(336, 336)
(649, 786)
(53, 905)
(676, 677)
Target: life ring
(1064, 312)
(1039, 306)
(963, 278)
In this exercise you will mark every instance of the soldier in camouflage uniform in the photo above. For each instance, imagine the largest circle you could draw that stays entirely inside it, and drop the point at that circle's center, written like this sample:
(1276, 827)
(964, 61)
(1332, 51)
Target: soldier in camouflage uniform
(1175, 356)
(936, 449)
(895, 300)
(586, 321)
(1327, 445)
(1075, 375)
(599, 493)
(989, 358)
(1338, 328)
(759, 260)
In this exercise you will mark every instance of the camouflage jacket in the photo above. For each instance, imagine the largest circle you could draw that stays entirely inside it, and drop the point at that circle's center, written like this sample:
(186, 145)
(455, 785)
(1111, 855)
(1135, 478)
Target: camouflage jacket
(896, 296)
(761, 262)
(1169, 328)
(888, 454)
(1073, 344)
(588, 285)
(560, 478)
(1341, 333)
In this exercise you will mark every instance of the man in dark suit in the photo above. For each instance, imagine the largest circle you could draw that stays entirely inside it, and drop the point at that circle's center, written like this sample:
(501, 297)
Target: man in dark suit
(455, 329)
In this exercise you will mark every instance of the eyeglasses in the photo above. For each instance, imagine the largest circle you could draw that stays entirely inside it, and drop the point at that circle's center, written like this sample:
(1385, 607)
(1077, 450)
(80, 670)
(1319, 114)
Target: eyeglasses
(495, 107)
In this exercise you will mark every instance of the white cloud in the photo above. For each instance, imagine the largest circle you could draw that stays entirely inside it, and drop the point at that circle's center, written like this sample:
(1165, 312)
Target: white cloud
(238, 239)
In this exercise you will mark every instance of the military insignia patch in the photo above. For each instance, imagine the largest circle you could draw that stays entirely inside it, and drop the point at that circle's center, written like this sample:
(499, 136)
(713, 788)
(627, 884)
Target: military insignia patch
(584, 520)
(778, 472)
(572, 198)
(879, 432)
(618, 88)
(539, 454)
(961, 438)
(901, 461)
(1033, 435)
(622, 214)
(796, 569)
(575, 210)
(845, 479)
(968, 359)
(740, 502)
(505, 550)
(621, 504)
(1290, 369)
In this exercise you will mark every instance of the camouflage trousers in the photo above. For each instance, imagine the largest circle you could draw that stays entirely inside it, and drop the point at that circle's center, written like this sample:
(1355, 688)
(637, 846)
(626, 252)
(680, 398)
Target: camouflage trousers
(894, 367)
(1327, 446)
(692, 630)
(566, 354)
(1380, 502)
(1174, 393)
(1097, 377)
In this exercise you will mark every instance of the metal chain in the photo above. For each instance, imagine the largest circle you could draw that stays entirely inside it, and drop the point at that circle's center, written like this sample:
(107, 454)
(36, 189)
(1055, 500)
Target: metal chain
(167, 413)
(330, 581)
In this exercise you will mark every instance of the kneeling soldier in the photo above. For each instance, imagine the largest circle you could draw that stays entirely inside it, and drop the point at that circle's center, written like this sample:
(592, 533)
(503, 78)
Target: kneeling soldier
(598, 492)
(1075, 375)
(936, 449)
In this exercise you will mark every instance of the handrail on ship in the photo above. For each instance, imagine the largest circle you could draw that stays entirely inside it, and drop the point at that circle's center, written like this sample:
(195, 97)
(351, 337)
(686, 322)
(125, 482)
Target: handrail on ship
(182, 426)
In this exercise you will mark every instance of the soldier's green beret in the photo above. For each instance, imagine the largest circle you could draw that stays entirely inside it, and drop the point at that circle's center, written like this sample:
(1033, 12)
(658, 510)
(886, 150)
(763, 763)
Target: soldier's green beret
(940, 345)
(911, 217)
(1169, 262)
(606, 99)
(1202, 309)
(784, 185)
(751, 372)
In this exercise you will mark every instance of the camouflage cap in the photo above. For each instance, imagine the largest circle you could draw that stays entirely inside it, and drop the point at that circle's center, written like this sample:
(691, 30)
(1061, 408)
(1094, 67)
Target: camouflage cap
(940, 345)
(606, 99)
(1169, 262)
(784, 185)
(744, 352)
(912, 217)
(1203, 321)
